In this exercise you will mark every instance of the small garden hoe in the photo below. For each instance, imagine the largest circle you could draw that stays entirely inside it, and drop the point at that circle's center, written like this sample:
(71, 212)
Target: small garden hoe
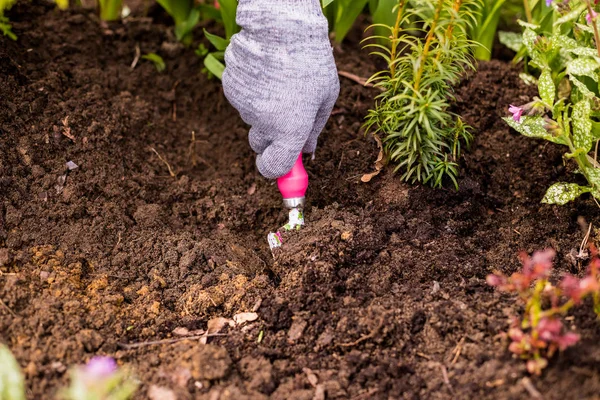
(293, 187)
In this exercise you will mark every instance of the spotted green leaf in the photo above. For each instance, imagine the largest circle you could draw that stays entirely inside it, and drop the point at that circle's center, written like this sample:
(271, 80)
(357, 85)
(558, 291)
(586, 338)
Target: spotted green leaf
(512, 40)
(593, 176)
(534, 126)
(546, 87)
(583, 67)
(587, 93)
(561, 193)
(12, 384)
(563, 42)
(582, 126)
(571, 15)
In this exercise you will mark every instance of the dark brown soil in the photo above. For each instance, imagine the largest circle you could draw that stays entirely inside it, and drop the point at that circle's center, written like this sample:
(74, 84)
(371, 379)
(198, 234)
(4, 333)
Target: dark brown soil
(374, 296)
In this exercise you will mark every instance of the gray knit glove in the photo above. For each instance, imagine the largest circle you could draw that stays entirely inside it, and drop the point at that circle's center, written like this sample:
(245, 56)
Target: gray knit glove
(281, 76)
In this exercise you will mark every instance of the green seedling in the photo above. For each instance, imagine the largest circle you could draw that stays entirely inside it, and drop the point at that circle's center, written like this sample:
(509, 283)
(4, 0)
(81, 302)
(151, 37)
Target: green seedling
(157, 60)
(412, 114)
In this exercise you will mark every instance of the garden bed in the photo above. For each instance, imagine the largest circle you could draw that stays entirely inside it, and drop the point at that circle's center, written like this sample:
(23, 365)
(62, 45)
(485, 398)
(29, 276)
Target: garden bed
(382, 295)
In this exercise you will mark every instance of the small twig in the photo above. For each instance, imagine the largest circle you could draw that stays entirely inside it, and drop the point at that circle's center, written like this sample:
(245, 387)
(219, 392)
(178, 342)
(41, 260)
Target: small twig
(445, 377)
(365, 337)
(173, 174)
(8, 308)
(585, 240)
(129, 346)
(425, 356)
(457, 350)
(136, 58)
(357, 79)
(533, 392)
(174, 117)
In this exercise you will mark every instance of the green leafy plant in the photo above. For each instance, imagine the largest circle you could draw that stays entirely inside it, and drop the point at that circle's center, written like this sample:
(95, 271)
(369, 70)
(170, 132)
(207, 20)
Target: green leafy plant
(538, 14)
(567, 109)
(185, 16)
(5, 26)
(341, 15)
(538, 333)
(157, 60)
(483, 31)
(420, 134)
(214, 61)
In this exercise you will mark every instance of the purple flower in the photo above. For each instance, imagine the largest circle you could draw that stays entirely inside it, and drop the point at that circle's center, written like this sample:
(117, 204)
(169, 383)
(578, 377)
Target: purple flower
(548, 3)
(517, 112)
(99, 367)
(589, 17)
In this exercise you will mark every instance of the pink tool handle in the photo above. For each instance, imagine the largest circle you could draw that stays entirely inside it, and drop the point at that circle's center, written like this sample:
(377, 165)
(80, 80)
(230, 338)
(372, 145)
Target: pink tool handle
(294, 183)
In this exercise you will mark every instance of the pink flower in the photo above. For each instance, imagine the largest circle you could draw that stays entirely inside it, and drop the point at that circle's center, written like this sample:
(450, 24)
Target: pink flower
(539, 265)
(567, 340)
(591, 17)
(99, 367)
(217, 5)
(549, 329)
(495, 280)
(516, 112)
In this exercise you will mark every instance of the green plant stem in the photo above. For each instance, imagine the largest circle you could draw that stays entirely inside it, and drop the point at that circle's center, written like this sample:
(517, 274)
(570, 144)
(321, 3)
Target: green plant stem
(428, 42)
(527, 11)
(110, 10)
(395, 35)
(594, 25)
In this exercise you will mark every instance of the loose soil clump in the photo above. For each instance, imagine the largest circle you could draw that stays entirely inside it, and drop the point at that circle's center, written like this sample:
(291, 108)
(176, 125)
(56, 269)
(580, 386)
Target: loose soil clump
(382, 294)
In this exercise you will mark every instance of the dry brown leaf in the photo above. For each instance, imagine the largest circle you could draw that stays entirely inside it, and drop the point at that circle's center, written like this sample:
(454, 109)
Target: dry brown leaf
(216, 325)
(161, 393)
(245, 317)
(181, 331)
(378, 163)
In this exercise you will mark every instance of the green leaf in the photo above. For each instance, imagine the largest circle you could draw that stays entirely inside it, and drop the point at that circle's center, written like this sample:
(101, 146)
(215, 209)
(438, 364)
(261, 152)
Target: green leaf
(346, 13)
(159, 63)
(529, 40)
(12, 384)
(215, 66)
(228, 10)
(546, 87)
(561, 193)
(583, 67)
(533, 126)
(593, 176)
(512, 40)
(528, 79)
(217, 41)
(326, 3)
(583, 89)
(571, 16)
(185, 27)
(582, 126)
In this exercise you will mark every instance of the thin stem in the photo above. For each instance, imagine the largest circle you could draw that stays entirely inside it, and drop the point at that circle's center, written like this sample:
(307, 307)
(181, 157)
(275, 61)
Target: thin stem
(528, 11)
(428, 41)
(594, 25)
(395, 35)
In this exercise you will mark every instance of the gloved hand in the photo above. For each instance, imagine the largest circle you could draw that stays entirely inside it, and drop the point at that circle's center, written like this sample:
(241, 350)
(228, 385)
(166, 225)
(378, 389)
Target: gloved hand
(281, 76)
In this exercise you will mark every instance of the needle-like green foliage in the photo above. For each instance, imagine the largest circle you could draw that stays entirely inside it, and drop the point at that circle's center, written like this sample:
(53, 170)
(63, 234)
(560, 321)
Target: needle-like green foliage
(5, 26)
(421, 136)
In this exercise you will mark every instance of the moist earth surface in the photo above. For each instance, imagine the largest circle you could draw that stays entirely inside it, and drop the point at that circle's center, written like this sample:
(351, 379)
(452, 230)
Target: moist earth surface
(162, 227)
